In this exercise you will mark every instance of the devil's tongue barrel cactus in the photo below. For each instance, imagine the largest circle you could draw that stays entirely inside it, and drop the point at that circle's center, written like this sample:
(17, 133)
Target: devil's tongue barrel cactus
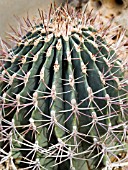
(63, 98)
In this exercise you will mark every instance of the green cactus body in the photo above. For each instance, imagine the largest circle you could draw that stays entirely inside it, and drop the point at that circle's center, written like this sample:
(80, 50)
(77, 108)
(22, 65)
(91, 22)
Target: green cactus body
(63, 99)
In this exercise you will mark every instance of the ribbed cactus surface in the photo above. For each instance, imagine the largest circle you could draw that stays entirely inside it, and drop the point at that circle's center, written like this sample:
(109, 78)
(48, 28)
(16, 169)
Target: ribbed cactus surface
(63, 98)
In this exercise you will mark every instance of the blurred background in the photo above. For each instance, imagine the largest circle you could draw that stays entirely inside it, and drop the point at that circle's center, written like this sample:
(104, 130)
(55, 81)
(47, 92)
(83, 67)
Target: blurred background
(118, 9)
(9, 8)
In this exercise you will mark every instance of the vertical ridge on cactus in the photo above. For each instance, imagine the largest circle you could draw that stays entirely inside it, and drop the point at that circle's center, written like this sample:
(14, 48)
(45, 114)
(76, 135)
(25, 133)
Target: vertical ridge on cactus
(63, 96)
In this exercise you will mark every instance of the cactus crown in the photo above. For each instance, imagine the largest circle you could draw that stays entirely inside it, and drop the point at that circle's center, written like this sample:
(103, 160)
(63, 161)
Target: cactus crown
(63, 96)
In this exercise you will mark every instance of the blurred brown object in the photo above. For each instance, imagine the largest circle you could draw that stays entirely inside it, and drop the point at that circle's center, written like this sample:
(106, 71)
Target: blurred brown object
(116, 9)
(78, 4)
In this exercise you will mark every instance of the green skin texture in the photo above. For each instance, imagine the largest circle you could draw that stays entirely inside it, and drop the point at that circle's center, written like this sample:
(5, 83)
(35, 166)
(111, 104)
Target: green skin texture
(56, 116)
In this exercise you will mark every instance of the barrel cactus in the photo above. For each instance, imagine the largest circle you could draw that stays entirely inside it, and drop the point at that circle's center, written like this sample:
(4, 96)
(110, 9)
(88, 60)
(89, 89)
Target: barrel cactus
(63, 96)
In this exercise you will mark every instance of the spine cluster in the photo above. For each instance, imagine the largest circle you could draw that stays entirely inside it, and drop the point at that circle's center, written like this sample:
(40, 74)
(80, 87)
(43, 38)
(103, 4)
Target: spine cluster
(63, 97)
